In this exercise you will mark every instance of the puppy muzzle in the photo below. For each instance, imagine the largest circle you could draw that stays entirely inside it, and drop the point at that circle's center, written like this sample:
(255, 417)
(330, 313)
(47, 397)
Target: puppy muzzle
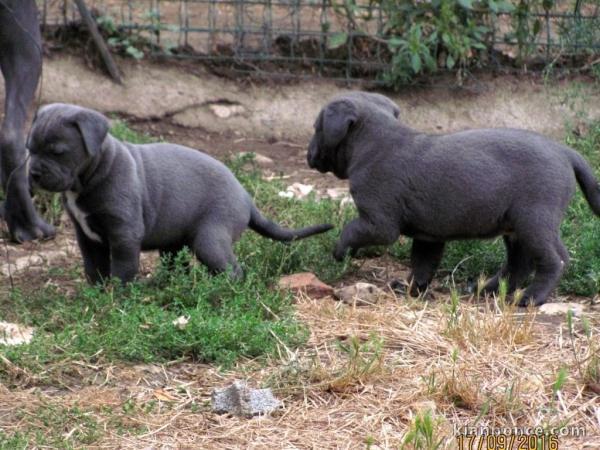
(49, 178)
(313, 158)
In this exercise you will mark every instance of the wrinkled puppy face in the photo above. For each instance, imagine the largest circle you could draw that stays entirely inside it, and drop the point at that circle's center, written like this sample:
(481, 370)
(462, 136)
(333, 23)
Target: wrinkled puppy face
(327, 148)
(64, 140)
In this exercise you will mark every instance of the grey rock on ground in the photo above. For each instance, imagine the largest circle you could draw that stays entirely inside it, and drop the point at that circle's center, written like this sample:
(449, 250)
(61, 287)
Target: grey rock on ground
(561, 308)
(240, 400)
(359, 294)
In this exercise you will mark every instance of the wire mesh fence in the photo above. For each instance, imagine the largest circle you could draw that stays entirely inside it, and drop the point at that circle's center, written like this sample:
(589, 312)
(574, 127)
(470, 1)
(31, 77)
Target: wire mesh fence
(346, 39)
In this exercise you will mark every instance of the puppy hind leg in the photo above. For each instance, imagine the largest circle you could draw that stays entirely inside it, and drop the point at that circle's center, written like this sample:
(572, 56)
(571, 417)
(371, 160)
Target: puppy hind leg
(213, 248)
(361, 233)
(516, 269)
(425, 258)
(549, 263)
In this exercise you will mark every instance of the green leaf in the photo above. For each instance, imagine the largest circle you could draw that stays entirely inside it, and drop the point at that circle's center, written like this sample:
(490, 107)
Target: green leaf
(396, 42)
(337, 40)
(505, 6)
(415, 61)
(467, 4)
(446, 38)
(132, 51)
(450, 62)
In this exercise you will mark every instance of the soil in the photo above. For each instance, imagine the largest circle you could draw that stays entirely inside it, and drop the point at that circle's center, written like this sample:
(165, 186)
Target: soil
(289, 158)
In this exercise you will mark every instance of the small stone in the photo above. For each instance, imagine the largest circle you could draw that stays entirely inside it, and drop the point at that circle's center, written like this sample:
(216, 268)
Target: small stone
(298, 190)
(53, 255)
(337, 193)
(15, 334)
(341, 194)
(240, 400)
(359, 294)
(286, 194)
(181, 322)
(20, 264)
(261, 160)
(306, 282)
(561, 308)
(226, 111)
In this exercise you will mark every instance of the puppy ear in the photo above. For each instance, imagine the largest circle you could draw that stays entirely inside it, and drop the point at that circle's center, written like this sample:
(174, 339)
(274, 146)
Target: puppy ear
(338, 117)
(93, 127)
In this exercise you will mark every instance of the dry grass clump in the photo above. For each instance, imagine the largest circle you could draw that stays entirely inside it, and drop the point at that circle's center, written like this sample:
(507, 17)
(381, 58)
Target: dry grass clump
(402, 373)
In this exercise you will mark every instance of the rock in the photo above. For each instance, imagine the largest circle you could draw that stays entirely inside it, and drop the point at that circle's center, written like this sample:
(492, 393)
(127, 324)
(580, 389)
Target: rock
(52, 255)
(341, 194)
(240, 400)
(225, 111)
(561, 308)
(286, 194)
(181, 322)
(297, 190)
(305, 282)
(337, 193)
(15, 334)
(20, 264)
(261, 160)
(359, 294)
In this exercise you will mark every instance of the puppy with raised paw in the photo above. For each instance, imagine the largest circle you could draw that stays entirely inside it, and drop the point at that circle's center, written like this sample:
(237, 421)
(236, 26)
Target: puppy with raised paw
(125, 198)
(474, 184)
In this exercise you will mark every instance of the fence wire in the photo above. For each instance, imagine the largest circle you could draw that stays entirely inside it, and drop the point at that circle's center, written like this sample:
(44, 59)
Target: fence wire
(301, 38)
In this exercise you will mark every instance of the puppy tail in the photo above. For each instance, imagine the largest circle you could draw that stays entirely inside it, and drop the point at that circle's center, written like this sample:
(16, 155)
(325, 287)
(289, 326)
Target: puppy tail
(586, 179)
(270, 229)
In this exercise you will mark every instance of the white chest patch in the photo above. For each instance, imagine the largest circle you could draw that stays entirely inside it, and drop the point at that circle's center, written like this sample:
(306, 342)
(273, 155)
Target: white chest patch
(80, 216)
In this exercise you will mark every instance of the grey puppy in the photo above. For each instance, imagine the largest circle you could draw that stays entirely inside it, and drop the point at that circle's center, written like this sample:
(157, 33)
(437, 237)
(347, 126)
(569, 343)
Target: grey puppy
(125, 198)
(473, 184)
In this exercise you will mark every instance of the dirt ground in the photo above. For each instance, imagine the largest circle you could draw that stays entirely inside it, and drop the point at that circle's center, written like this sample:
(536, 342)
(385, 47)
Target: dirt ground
(190, 106)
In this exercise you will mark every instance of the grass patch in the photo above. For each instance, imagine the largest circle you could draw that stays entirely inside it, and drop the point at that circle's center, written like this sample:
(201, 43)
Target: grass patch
(225, 320)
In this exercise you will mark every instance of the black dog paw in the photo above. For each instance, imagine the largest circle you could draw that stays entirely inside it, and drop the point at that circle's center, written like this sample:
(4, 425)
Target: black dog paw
(529, 300)
(399, 287)
(28, 232)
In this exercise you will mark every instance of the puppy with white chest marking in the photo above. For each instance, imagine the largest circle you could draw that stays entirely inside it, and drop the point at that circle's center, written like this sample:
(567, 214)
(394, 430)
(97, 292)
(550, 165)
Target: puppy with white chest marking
(126, 198)
(471, 184)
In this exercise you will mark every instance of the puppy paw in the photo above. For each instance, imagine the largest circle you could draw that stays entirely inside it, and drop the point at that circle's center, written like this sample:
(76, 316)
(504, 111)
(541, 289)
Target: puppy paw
(24, 233)
(529, 300)
(340, 253)
(399, 286)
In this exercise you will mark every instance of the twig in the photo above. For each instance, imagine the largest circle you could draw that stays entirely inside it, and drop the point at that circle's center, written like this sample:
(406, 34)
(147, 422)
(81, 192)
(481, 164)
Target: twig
(99, 41)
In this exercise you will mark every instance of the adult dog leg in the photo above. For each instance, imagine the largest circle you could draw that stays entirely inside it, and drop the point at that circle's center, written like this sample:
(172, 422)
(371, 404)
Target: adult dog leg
(361, 233)
(20, 63)
(425, 258)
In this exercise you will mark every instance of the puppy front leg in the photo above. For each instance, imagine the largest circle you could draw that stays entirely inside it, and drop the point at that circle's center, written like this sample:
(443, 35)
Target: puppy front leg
(96, 257)
(362, 233)
(125, 259)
